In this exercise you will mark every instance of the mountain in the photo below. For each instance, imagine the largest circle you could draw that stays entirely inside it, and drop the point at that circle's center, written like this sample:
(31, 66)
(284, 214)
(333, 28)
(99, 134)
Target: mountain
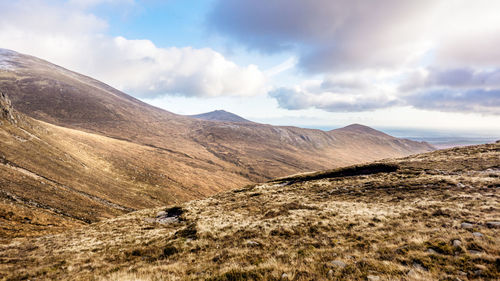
(54, 178)
(431, 216)
(110, 153)
(220, 115)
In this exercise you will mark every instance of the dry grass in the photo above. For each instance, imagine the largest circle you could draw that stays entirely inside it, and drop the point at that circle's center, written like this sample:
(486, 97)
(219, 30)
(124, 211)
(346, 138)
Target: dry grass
(395, 225)
(133, 156)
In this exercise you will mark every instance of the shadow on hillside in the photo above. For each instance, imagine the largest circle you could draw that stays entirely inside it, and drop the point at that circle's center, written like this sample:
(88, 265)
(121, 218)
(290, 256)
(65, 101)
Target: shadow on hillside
(357, 170)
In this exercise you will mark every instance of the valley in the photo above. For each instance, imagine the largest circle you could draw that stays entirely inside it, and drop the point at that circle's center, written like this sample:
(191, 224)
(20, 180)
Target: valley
(76, 151)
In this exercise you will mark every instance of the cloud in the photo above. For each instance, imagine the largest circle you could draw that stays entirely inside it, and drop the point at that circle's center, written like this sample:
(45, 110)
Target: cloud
(336, 94)
(282, 67)
(68, 35)
(183, 71)
(295, 99)
(449, 90)
(454, 90)
(438, 55)
(329, 35)
(343, 35)
(461, 78)
(475, 100)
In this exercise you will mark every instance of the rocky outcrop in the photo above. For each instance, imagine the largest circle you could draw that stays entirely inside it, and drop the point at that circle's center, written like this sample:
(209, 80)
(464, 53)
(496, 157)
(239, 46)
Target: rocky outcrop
(6, 110)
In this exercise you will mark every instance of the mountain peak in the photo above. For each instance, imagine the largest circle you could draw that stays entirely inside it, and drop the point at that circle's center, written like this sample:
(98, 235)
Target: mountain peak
(221, 116)
(360, 129)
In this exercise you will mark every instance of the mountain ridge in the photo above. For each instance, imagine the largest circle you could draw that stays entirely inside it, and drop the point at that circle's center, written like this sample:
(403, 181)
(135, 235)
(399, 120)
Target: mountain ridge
(110, 152)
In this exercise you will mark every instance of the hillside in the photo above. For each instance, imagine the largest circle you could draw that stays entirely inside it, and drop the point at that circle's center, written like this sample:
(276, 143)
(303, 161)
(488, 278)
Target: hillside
(53, 178)
(53, 94)
(84, 151)
(432, 216)
(220, 115)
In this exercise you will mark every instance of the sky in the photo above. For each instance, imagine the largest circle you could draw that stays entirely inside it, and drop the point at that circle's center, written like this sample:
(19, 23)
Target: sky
(416, 65)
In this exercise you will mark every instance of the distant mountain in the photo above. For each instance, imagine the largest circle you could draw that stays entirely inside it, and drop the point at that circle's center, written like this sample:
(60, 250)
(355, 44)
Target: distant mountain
(92, 152)
(220, 115)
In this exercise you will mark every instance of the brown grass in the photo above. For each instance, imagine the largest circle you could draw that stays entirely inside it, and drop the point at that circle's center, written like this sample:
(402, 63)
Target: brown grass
(397, 225)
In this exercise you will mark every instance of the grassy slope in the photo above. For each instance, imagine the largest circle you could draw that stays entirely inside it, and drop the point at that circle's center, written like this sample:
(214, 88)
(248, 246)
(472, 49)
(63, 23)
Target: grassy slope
(352, 223)
(105, 153)
(258, 152)
(53, 178)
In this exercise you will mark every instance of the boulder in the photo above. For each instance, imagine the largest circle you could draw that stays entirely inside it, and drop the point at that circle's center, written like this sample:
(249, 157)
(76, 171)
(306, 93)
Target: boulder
(466, 225)
(340, 264)
(253, 244)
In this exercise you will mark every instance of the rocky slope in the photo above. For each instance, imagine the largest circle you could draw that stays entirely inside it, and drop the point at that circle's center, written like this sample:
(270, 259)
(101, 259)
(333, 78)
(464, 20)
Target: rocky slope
(432, 216)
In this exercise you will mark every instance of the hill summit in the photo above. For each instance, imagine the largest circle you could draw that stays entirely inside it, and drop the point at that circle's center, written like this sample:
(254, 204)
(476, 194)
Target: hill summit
(220, 115)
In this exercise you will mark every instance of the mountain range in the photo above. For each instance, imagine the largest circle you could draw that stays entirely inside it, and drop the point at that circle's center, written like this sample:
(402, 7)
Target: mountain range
(74, 150)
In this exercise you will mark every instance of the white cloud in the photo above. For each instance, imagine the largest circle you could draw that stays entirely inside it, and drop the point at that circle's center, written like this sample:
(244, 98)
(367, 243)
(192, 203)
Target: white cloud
(438, 55)
(339, 93)
(70, 36)
(467, 34)
(282, 67)
(330, 35)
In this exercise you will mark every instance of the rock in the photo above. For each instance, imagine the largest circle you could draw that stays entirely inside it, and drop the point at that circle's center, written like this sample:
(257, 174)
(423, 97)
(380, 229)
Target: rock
(419, 266)
(161, 214)
(412, 273)
(460, 185)
(329, 274)
(466, 225)
(493, 224)
(474, 252)
(253, 244)
(169, 215)
(6, 110)
(477, 234)
(340, 264)
(284, 276)
(457, 243)
(431, 251)
(372, 278)
(167, 220)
